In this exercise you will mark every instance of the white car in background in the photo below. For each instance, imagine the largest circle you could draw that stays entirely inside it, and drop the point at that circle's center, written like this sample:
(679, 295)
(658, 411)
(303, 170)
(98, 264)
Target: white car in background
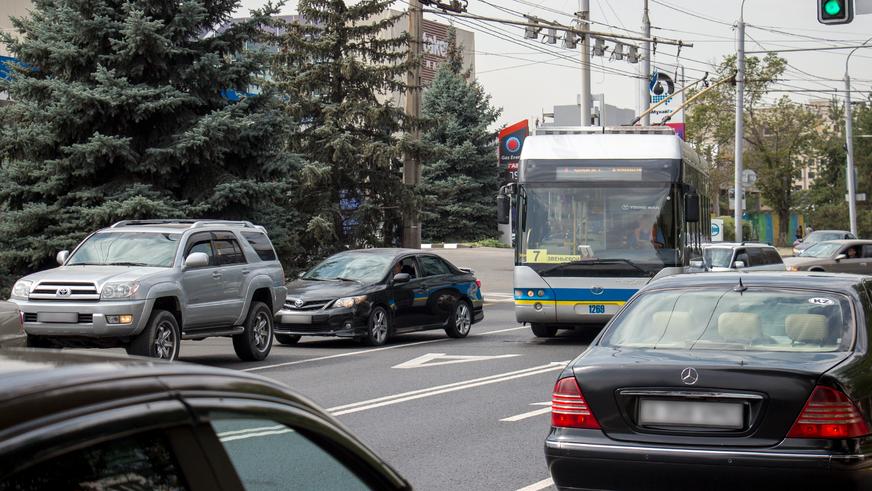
(745, 256)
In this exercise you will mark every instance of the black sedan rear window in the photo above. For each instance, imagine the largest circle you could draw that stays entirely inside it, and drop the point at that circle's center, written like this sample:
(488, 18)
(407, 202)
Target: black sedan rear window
(754, 319)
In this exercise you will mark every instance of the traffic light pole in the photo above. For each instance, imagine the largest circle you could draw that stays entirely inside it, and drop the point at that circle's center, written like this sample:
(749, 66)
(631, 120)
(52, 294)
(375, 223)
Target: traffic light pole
(849, 146)
(584, 15)
(740, 120)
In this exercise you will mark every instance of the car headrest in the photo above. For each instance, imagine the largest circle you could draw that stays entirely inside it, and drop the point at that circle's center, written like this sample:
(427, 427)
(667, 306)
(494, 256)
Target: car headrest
(739, 325)
(806, 328)
(677, 321)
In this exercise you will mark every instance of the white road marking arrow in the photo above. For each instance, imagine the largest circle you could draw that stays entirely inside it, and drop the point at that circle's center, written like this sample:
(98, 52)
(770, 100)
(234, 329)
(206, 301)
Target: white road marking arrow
(434, 359)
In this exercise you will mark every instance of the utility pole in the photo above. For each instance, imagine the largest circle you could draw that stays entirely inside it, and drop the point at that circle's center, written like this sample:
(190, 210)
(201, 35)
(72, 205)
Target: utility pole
(584, 16)
(849, 144)
(412, 164)
(645, 68)
(740, 120)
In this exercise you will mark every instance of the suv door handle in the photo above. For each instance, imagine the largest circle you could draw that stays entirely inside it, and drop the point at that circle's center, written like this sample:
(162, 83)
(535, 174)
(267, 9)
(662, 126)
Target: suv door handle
(245, 271)
(216, 274)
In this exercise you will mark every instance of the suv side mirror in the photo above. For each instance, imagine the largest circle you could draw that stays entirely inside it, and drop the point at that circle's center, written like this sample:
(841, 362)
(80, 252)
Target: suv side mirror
(697, 263)
(840, 257)
(691, 208)
(504, 203)
(196, 260)
(402, 277)
(62, 257)
(738, 264)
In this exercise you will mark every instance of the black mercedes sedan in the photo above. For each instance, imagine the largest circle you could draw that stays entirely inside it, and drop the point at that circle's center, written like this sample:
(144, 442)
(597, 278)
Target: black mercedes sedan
(373, 294)
(89, 421)
(722, 381)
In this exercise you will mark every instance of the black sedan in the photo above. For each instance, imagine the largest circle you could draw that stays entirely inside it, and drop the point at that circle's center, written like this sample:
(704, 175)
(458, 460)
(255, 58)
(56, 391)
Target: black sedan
(373, 294)
(723, 381)
(73, 421)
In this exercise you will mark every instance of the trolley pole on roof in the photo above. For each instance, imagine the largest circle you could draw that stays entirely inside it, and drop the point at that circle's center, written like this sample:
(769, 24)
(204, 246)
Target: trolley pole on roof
(584, 16)
(740, 119)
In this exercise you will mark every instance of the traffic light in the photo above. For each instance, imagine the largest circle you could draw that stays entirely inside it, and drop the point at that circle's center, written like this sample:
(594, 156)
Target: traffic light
(835, 11)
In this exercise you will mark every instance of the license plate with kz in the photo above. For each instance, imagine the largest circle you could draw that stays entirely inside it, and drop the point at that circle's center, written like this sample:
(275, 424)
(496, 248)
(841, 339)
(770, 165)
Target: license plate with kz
(596, 309)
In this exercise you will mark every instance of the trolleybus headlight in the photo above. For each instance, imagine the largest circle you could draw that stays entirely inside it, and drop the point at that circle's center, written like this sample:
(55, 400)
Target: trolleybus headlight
(541, 293)
(530, 293)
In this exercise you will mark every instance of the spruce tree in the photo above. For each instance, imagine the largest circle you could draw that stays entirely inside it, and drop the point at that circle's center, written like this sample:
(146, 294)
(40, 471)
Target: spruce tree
(460, 176)
(336, 70)
(120, 112)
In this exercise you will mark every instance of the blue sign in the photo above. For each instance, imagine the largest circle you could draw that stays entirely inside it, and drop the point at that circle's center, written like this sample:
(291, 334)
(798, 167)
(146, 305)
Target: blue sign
(716, 230)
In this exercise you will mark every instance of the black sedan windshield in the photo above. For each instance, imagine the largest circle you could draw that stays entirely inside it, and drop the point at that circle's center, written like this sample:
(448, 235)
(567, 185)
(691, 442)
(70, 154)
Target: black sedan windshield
(750, 320)
(361, 267)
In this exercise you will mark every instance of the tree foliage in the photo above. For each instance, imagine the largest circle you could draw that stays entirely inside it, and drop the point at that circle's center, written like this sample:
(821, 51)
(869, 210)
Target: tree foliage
(460, 176)
(118, 112)
(336, 70)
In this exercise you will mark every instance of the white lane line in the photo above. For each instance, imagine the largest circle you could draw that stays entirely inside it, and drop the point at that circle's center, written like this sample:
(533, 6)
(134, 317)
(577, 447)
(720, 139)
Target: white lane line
(536, 486)
(442, 389)
(256, 435)
(250, 430)
(371, 350)
(530, 414)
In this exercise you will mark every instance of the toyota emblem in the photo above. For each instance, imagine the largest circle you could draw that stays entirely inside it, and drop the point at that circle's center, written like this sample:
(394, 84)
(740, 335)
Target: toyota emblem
(298, 303)
(689, 376)
(63, 292)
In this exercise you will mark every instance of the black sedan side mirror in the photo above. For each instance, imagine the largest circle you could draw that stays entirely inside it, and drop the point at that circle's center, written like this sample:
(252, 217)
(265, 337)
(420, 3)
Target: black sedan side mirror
(402, 277)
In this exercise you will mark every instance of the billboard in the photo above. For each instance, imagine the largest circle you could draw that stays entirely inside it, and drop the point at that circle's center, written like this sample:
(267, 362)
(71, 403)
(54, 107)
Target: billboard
(511, 141)
(435, 48)
(661, 85)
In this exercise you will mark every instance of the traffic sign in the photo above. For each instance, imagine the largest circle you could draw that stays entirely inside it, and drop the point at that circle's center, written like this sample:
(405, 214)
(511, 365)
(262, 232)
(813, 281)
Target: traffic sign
(749, 177)
(859, 196)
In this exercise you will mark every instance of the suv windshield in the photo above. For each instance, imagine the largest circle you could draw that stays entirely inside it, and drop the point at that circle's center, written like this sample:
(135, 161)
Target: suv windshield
(364, 268)
(753, 320)
(822, 236)
(127, 249)
(822, 249)
(718, 257)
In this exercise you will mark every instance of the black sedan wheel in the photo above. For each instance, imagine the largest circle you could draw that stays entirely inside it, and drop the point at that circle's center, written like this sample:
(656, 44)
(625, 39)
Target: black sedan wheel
(379, 327)
(287, 338)
(460, 322)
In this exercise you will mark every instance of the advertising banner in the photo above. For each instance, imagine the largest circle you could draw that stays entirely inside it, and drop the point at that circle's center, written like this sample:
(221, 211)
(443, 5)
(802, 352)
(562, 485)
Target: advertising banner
(661, 85)
(511, 141)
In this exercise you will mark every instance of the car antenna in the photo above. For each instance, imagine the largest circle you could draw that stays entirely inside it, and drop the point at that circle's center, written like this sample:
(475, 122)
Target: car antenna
(740, 287)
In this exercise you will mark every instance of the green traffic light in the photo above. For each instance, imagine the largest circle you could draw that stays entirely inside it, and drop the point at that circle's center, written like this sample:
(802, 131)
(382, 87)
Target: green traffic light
(833, 7)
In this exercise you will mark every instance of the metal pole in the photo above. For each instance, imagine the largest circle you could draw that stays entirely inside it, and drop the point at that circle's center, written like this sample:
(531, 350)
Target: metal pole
(584, 15)
(849, 145)
(645, 68)
(412, 164)
(740, 120)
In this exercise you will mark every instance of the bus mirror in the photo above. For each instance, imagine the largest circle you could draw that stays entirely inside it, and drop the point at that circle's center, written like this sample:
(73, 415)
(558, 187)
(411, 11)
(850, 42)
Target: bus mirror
(691, 208)
(503, 204)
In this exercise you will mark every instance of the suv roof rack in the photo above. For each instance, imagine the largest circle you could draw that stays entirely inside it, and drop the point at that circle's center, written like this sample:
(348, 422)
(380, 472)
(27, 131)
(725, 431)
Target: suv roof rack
(185, 221)
(606, 130)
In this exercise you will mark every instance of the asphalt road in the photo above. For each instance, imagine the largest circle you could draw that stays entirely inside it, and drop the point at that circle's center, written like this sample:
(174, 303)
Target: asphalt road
(446, 413)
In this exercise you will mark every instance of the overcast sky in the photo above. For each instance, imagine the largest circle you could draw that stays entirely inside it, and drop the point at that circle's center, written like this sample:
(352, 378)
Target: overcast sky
(527, 77)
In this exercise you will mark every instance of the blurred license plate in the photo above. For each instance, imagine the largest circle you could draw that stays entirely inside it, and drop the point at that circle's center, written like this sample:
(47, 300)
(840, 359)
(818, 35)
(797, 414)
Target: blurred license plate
(59, 317)
(296, 319)
(691, 413)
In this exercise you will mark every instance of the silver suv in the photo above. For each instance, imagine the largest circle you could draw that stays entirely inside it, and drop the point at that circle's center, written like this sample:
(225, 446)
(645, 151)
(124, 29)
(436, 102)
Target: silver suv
(730, 256)
(148, 284)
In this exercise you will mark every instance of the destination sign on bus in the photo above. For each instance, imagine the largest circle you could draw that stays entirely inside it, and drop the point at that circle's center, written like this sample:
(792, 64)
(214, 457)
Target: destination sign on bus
(604, 173)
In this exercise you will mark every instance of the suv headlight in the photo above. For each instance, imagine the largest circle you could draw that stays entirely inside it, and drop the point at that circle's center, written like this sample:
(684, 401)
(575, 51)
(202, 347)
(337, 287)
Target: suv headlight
(119, 289)
(21, 289)
(348, 302)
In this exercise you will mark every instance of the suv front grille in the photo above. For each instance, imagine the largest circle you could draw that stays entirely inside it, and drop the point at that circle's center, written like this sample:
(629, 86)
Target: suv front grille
(67, 290)
(86, 318)
(30, 317)
(82, 319)
(308, 305)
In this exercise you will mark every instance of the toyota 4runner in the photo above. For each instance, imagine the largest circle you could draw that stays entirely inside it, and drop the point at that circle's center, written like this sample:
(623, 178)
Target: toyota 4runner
(147, 284)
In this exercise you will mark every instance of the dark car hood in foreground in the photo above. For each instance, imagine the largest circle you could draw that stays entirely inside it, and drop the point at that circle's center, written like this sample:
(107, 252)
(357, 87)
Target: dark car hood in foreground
(784, 380)
(324, 290)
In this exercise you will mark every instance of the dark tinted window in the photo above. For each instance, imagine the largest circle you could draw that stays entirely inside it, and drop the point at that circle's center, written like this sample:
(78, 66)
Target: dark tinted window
(433, 265)
(757, 257)
(742, 255)
(201, 242)
(138, 462)
(227, 249)
(261, 245)
(269, 456)
(773, 256)
(867, 251)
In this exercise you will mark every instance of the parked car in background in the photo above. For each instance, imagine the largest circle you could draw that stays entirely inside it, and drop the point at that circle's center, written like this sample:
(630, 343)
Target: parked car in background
(147, 284)
(722, 381)
(820, 236)
(731, 256)
(373, 294)
(11, 330)
(72, 421)
(838, 256)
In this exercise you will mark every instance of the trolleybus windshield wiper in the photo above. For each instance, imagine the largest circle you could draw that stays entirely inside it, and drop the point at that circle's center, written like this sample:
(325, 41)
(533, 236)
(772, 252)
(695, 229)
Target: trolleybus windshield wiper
(594, 261)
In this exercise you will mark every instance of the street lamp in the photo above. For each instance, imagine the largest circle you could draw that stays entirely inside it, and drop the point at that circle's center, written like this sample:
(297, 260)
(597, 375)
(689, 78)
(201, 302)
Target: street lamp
(849, 138)
(740, 120)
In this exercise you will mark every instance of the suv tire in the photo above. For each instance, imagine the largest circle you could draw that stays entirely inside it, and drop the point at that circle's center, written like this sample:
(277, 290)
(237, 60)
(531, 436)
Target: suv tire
(543, 331)
(255, 342)
(460, 321)
(287, 338)
(160, 339)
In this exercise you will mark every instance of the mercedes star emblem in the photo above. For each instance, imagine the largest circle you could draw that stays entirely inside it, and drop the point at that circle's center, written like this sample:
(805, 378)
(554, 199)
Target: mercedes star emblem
(63, 292)
(689, 376)
(298, 303)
